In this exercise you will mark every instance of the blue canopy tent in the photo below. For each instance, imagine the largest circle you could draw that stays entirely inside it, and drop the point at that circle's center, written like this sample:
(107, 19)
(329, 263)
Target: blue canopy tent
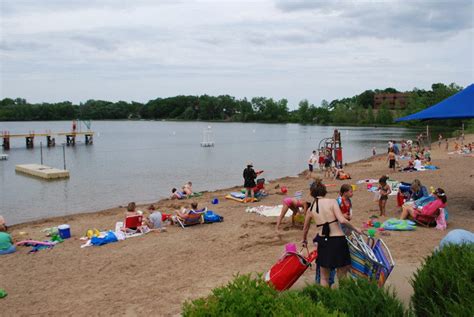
(458, 106)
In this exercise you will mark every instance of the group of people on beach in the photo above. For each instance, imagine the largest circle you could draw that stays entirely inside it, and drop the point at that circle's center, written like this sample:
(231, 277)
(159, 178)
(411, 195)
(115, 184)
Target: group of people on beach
(186, 191)
(333, 217)
(326, 163)
(415, 154)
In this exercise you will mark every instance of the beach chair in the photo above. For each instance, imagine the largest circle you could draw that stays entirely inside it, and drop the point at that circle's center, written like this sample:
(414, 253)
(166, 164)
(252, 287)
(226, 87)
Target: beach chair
(370, 260)
(427, 221)
(191, 219)
(133, 223)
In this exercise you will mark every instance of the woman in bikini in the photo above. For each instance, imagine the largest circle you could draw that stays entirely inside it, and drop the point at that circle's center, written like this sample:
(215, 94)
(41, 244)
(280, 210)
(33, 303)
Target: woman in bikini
(333, 251)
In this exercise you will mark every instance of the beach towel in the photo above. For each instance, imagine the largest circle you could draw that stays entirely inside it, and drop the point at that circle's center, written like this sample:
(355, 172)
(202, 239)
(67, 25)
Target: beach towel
(267, 211)
(399, 225)
(431, 167)
(108, 238)
(237, 195)
(232, 196)
(441, 220)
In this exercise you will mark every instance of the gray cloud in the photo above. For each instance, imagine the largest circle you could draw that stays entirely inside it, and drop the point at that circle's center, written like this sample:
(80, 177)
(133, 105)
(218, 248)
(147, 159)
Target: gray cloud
(11, 7)
(110, 49)
(404, 20)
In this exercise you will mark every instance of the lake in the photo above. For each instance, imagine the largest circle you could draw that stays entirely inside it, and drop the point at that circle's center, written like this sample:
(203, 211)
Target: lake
(142, 160)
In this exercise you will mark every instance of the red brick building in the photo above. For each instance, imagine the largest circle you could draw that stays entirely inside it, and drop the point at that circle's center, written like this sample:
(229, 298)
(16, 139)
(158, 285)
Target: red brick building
(393, 101)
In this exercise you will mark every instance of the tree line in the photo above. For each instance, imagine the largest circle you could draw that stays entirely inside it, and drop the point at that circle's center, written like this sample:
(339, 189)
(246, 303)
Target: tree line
(356, 110)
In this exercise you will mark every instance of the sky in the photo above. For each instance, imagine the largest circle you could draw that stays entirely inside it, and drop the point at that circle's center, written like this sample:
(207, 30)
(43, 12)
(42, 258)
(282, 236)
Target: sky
(76, 50)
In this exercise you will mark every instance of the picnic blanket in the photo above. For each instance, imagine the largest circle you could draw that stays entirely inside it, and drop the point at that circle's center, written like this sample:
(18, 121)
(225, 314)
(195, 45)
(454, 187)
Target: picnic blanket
(268, 211)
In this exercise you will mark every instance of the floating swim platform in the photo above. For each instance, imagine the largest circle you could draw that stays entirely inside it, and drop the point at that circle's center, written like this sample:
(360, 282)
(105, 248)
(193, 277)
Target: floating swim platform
(42, 171)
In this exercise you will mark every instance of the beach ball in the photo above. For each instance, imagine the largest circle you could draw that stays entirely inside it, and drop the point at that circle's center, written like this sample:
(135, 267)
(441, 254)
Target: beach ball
(215, 201)
(284, 190)
(377, 224)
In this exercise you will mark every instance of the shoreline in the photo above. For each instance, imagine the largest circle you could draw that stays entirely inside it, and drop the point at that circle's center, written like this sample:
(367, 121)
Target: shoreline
(139, 275)
(162, 200)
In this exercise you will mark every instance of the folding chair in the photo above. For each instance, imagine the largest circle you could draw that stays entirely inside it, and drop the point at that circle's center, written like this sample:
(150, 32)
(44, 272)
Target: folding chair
(427, 221)
(133, 223)
(190, 220)
(371, 260)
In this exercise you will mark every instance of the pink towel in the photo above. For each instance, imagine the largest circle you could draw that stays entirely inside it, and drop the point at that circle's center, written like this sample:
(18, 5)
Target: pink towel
(441, 220)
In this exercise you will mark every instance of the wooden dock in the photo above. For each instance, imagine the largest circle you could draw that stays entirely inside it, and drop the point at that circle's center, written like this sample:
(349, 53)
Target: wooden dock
(50, 138)
(42, 171)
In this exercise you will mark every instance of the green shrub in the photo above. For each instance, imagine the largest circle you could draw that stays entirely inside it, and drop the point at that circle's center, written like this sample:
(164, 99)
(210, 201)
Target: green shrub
(245, 296)
(357, 298)
(444, 285)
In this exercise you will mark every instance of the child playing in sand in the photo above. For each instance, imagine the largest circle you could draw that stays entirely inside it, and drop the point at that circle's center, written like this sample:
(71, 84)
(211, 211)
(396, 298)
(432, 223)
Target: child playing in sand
(384, 190)
(6, 242)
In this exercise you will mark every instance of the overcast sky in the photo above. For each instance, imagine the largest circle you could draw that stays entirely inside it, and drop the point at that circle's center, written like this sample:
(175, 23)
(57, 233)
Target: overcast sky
(56, 50)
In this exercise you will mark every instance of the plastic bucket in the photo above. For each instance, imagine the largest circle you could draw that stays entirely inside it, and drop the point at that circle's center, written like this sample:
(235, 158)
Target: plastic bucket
(290, 247)
(64, 231)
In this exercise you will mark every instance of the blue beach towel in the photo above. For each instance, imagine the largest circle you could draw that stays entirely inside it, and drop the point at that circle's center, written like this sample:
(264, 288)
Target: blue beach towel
(109, 238)
(399, 225)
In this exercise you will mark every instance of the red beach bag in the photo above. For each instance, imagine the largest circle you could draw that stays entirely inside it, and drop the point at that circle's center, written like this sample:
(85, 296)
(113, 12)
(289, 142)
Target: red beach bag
(289, 268)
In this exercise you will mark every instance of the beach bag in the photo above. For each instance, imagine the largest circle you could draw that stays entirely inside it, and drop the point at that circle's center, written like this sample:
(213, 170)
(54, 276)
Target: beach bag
(210, 217)
(289, 268)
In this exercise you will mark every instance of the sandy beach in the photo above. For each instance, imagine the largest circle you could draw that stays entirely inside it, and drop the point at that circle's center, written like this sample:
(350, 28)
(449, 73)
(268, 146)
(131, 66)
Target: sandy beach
(155, 273)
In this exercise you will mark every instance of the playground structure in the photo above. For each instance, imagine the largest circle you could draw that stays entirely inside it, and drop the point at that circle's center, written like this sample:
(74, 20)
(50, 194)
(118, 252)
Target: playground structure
(334, 145)
(50, 136)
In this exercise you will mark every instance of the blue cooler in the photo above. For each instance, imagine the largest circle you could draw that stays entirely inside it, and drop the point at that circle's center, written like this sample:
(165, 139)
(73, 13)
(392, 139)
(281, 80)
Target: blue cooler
(64, 231)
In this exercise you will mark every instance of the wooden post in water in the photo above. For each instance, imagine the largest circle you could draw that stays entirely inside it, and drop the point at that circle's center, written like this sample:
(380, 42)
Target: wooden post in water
(64, 157)
(41, 151)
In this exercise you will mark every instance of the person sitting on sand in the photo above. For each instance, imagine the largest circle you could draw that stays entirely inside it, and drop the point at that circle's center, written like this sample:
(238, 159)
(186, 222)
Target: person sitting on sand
(183, 213)
(333, 251)
(175, 194)
(131, 210)
(296, 205)
(6, 242)
(427, 210)
(188, 188)
(340, 174)
(154, 221)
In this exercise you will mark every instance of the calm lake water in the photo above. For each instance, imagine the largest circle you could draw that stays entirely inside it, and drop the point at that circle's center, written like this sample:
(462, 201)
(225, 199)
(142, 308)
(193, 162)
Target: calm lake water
(142, 160)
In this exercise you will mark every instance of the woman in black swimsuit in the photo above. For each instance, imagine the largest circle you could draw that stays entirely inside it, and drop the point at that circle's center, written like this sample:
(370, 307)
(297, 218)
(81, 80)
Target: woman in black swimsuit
(333, 251)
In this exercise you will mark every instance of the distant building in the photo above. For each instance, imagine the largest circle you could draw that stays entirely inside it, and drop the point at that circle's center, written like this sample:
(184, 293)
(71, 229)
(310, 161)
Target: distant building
(393, 101)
